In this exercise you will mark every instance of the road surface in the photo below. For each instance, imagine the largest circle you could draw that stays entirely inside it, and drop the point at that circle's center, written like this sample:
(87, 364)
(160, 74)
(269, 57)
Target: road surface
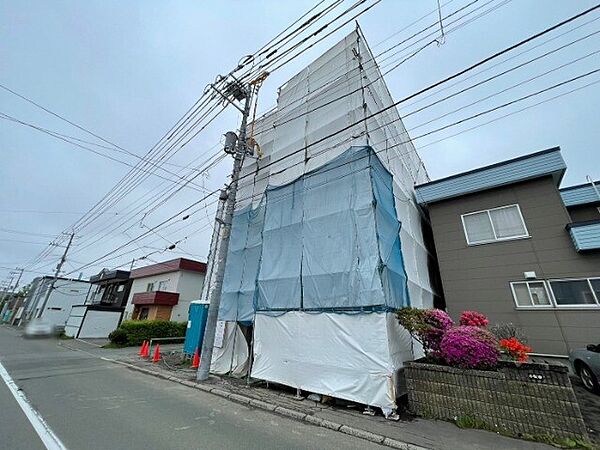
(89, 403)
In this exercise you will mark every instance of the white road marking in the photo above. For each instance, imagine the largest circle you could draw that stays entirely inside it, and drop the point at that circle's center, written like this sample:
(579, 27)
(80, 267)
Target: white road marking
(47, 436)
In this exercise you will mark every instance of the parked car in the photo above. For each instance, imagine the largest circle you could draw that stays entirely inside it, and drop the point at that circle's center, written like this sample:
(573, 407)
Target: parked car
(39, 328)
(586, 364)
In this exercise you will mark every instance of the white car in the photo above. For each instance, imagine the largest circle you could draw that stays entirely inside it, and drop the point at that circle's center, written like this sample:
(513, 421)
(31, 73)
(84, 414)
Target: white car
(39, 328)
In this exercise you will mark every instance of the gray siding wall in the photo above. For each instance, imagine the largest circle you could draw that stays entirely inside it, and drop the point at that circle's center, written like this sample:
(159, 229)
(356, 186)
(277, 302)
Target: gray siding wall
(478, 277)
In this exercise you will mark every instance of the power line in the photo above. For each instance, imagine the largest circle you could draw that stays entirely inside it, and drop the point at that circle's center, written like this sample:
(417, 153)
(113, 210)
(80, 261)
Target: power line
(371, 64)
(430, 87)
(65, 139)
(59, 116)
(434, 85)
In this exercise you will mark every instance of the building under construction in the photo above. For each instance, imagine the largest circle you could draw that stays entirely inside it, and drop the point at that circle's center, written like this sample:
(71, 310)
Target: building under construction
(327, 240)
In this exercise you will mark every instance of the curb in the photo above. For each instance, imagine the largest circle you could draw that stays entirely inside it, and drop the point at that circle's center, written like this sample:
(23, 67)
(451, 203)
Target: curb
(280, 410)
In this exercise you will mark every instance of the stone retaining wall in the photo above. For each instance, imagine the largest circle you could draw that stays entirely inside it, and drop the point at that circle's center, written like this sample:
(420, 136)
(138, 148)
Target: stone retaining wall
(530, 399)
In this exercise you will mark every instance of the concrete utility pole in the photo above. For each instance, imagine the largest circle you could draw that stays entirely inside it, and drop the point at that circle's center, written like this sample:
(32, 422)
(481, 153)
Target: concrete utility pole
(18, 280)
(6, 285)
(214, 242)
(239, 92)
(56, 273)
(17, 304)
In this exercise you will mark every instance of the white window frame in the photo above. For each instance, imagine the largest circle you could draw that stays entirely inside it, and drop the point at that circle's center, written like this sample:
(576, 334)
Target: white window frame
(550, 293)
(532, 306)
(496, 238)
(575, 306)
(165, 284)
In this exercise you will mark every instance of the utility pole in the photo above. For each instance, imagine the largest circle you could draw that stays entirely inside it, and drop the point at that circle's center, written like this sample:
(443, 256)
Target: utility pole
(18, 280)
(56, 273)
(18, 302)
(239, 92)
(6, 287)
(214, 242)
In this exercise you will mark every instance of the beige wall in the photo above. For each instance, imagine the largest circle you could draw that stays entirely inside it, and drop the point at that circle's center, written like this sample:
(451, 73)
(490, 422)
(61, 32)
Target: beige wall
(478, 277)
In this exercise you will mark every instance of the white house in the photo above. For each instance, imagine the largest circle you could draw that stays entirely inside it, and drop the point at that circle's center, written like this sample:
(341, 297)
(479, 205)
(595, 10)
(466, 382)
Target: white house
(165, 290)
(65, 293)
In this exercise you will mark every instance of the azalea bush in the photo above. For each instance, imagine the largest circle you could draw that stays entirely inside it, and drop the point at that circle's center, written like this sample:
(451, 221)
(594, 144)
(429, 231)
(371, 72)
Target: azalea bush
(427, 326)
(473, 319)
(515, 349)
(468, 345)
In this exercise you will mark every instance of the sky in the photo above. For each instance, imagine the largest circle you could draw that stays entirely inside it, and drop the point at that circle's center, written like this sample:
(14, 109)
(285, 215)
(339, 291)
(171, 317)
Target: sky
(129, 70)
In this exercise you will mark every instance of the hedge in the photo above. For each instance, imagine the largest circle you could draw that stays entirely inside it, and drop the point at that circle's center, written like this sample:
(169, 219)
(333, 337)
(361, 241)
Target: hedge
(134, 332)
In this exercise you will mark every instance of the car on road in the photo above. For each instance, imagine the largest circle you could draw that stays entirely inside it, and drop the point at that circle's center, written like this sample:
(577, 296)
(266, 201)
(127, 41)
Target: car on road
(586, 364)
(39, 328)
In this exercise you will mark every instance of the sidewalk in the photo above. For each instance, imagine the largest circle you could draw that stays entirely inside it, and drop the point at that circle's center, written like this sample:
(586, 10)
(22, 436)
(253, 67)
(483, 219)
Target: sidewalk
(408, 433)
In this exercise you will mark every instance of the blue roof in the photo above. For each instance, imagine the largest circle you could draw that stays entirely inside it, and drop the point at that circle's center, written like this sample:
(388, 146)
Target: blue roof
(535, 165)
(581, 194)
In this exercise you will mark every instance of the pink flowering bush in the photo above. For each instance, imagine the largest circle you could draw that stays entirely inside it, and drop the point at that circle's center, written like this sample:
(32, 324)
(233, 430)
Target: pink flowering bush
(473, 319)
(469, 347)
(437, 323)
(427, 326)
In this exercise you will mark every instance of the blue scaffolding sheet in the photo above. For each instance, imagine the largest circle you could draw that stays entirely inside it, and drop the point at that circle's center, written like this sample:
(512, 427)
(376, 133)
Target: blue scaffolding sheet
(328, 241)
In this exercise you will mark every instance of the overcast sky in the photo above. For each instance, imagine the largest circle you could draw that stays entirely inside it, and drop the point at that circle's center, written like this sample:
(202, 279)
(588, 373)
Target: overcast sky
(128, 70)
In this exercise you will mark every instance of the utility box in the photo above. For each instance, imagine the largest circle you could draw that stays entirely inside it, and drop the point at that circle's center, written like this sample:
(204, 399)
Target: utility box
(194, 334)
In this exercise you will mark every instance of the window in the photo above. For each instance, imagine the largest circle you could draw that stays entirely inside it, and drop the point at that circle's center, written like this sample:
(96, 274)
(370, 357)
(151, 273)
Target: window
(493, 225)
(531, 294)
(575, 292)
(150, 287)
(163, 285)
(144, 313)
(596, 287)
(121, 288)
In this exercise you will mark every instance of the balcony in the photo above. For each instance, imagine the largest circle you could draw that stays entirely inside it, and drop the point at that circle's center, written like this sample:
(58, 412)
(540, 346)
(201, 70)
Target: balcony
(585, 235)
(156, 298)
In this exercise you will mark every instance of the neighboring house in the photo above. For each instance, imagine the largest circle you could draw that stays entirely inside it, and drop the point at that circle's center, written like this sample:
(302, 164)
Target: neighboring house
(165, 290)
(66, 293)
(103, 308)
(110, 288)
(515, 247)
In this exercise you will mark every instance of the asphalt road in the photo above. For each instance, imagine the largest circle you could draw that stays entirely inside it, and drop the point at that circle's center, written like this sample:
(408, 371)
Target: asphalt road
(93, 404)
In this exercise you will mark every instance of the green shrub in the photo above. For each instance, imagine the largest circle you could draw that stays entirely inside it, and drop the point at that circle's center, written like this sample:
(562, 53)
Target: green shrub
(134, 332)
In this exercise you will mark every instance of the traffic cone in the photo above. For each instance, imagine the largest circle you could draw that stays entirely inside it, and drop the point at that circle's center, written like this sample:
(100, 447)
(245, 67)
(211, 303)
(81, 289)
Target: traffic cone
(146, 353)
(156, 357)
(143, 349)
(196, 360)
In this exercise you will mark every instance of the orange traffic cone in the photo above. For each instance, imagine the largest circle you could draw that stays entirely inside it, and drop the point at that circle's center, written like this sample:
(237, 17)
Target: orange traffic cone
(143, 349)
(156, 357)
(146, 353)
(196, 360)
